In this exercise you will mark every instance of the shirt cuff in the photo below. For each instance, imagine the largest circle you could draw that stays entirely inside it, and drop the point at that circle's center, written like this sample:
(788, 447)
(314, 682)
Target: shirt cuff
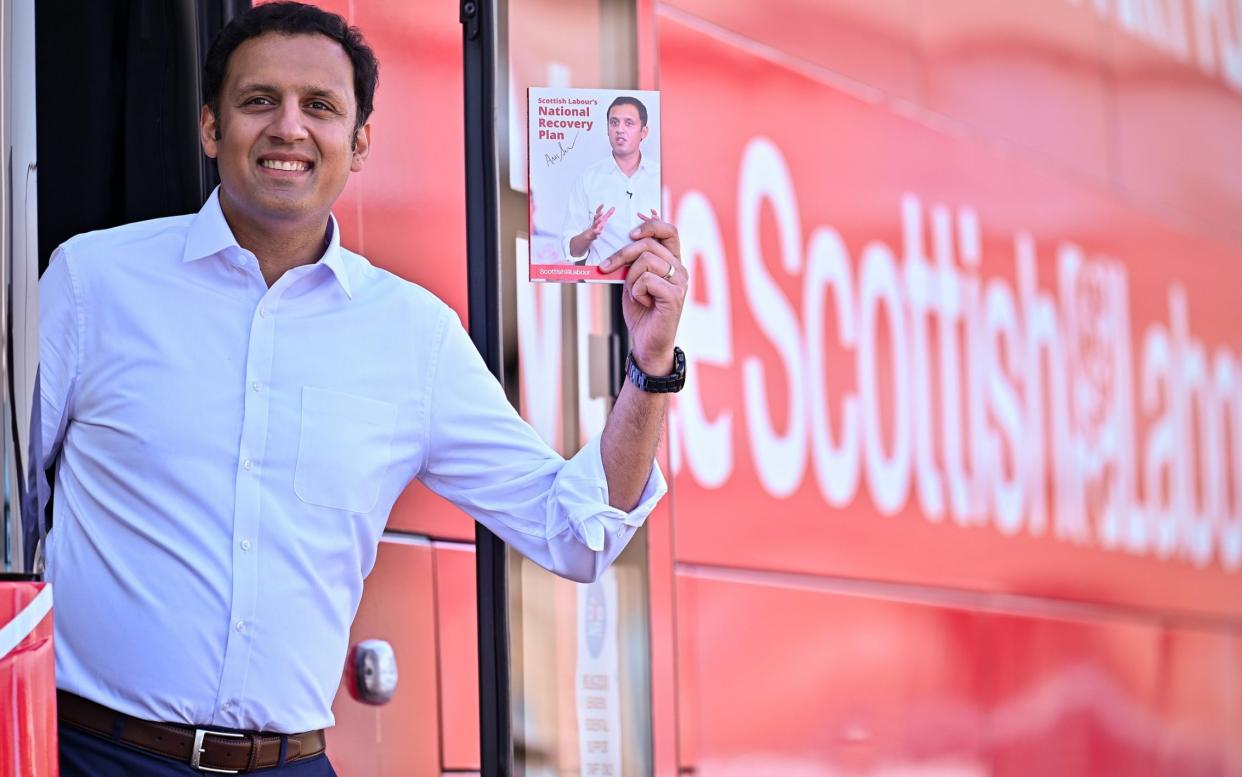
(582, 495)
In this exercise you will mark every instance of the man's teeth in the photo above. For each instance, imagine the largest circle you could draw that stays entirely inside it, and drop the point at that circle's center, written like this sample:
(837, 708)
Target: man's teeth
(277, 164)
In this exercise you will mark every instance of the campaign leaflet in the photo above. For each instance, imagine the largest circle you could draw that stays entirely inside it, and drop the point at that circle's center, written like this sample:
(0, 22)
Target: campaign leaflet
(594, 175)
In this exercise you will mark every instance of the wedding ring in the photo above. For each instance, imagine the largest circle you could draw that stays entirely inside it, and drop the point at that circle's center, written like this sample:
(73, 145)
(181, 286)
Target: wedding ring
(672, 268)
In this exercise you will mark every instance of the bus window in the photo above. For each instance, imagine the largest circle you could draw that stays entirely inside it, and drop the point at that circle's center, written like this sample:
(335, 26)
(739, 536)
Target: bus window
(580, 657)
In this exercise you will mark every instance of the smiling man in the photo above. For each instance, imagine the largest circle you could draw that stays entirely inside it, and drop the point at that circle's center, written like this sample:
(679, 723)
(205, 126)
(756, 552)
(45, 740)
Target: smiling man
(236, 401)
(616, 194)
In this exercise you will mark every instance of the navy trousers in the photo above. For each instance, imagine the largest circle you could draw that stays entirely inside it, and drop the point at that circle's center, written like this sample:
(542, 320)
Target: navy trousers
(88, 755)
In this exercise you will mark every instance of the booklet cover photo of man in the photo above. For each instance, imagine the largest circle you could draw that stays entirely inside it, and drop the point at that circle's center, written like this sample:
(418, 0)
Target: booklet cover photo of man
(594, 175)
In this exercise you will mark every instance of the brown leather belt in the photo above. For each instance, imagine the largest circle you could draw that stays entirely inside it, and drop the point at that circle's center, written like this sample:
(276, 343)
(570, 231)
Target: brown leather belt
(204, 749)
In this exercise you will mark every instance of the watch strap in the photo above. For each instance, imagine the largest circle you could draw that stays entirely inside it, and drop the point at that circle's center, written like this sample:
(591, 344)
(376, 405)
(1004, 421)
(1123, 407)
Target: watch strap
(659, 384)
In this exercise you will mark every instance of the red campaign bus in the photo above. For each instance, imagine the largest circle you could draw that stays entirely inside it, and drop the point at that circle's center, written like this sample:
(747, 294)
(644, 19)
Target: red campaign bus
(956, 479)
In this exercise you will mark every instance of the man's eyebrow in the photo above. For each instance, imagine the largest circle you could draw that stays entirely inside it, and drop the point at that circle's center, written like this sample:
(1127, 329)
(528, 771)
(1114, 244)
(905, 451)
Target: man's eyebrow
(315, 91)
(248, 88)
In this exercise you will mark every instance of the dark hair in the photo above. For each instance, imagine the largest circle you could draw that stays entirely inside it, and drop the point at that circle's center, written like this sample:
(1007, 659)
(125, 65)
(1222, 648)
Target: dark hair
(625, 99)
(287, 18)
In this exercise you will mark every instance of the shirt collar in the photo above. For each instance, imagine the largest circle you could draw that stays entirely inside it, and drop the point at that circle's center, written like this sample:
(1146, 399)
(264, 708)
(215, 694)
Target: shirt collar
(642, 164)
(210, 234)
(334, 258)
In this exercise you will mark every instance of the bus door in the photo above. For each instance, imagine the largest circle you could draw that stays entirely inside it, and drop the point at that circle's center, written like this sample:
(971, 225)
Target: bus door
(578, 684)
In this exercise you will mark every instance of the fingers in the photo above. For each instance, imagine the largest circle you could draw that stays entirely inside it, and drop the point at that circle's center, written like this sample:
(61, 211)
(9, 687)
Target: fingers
(652, 265)
(600, 221)
(630, 253)
(653, 236)
(649, 289)
(659, 230)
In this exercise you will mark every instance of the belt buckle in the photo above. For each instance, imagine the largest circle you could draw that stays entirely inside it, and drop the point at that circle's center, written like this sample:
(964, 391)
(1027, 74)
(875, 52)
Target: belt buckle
(197, 752)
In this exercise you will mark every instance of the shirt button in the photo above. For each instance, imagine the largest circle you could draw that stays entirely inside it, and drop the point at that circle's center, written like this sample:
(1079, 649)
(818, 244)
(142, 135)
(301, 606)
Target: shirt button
(241, 626)
(263, 312)
(256, 385)
(247, 464)
(245, 544)
(228, 705)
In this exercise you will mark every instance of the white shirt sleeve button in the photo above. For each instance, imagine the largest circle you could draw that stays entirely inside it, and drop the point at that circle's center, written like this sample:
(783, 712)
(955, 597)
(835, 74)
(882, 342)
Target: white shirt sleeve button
(247, 465)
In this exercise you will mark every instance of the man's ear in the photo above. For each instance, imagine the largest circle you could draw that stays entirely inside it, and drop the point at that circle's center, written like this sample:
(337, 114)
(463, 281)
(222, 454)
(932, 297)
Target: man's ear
(208, 131)
(362, 147)
(642, 135)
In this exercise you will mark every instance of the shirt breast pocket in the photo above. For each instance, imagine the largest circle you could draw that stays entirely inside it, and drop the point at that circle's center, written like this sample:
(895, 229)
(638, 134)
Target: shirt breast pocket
(344, 449)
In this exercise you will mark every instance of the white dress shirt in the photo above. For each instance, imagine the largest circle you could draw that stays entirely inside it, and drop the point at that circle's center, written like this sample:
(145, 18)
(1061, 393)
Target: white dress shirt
(603, 183)
(230, 453)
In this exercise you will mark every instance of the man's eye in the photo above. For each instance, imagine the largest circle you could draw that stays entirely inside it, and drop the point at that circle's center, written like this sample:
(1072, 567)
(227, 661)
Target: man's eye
(259, 101)
(319, 105)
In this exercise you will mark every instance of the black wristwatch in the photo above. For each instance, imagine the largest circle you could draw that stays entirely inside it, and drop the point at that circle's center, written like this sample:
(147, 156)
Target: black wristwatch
(666, 384)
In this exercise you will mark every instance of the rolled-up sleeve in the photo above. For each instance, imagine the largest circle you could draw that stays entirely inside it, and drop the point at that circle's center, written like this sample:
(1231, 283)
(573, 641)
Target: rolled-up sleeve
(489, 462)
(580, 496)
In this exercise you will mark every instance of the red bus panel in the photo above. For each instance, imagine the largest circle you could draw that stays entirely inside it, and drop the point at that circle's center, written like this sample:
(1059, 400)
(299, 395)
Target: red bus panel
(790, 679)
(1178, 103)
(918, 357)
(457, 646)
(788, 675)
(27, 681)
(1028, 72)
(400, 738)
(870, 42)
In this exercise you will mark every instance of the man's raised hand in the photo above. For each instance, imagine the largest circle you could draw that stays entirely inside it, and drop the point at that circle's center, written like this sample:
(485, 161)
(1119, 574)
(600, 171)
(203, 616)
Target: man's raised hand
(598, 223)
(655, 292)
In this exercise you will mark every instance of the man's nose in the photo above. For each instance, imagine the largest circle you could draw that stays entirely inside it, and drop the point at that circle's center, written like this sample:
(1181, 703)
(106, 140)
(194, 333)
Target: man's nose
(287, 124)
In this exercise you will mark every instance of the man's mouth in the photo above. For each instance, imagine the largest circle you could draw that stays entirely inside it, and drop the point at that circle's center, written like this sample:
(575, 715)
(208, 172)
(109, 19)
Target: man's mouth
(291, 165)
